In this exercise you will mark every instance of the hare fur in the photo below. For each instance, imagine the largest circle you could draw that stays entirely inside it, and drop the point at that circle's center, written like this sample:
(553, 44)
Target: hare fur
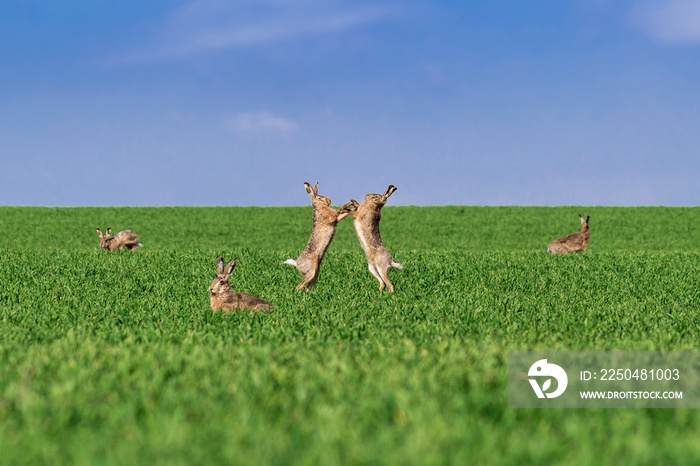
(325, 222)
(123, 239)
(221, 296)
(366, 221)
(575, 242)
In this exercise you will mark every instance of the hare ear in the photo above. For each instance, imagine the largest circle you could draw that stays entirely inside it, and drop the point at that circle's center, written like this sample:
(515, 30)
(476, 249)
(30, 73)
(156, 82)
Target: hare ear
(309, 189)
(109, 232)
(316, 189)
(99, 232)
(229, 268)
(220, 265)
(587, 218)
(389, 191)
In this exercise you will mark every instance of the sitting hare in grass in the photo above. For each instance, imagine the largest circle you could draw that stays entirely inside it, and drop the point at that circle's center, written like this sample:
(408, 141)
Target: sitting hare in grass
(325, 222)
(367, 216)
(123, 239)
(575, 242)
(221, 296)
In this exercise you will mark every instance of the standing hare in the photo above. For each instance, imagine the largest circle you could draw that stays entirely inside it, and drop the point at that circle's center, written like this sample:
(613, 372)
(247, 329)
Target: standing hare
(367, 216)
(575, 242)
(221, 296)
(123, 239)
(325, 221)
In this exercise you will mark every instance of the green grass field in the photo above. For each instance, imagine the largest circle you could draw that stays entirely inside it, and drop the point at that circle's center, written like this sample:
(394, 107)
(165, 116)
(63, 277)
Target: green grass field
(116, 358)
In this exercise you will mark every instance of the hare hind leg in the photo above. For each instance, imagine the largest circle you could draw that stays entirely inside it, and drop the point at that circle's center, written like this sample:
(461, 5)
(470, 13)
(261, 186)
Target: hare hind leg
(384, 272)
(308, 281)
(309, 275)
(374, 270)
(308, 270)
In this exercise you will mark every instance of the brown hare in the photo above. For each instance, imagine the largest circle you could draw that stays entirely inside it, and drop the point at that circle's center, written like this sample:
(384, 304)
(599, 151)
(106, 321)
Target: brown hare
(367, 216)
(575, 242)
(221, 296)
(123, 239)
(325, 221)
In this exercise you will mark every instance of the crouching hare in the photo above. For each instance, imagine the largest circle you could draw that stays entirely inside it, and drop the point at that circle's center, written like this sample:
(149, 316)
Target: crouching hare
(325, 222)
(575, 242)
(366, 220)
(123, 239)
(221, 296)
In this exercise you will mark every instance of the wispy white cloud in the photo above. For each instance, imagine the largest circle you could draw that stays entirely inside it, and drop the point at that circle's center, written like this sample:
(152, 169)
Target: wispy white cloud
(259, 123)
(668, 21)
(208, 26)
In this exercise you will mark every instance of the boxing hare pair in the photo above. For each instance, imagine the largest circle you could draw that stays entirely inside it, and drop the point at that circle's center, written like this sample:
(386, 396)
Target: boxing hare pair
(366, 222)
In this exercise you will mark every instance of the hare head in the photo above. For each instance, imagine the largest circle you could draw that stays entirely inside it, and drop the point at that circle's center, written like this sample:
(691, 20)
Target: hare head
(584, 222)
(380, 199)
(220, 284)
(104, 237)
(316, 199)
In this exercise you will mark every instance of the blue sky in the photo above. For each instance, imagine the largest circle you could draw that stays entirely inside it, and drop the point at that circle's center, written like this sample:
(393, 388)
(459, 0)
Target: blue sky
(208, 102)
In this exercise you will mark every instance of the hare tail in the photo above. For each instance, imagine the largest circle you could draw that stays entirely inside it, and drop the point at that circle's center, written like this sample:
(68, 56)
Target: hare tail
(396, 265)
(291, 262)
